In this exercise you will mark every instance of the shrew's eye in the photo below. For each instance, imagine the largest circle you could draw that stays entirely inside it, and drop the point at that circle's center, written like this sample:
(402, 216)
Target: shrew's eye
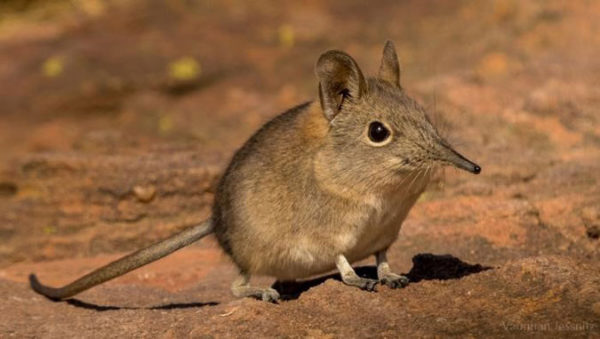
(378, 132)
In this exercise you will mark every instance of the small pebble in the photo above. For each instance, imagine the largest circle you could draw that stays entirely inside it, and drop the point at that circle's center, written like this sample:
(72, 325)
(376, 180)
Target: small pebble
(144, 193)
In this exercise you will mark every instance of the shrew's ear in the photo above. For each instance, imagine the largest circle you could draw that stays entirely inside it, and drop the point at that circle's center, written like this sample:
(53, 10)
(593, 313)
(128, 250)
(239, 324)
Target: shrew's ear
(339, 78)
(390, 68)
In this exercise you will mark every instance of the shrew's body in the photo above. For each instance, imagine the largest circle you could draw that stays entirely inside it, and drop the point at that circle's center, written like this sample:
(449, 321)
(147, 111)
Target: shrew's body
(276, 212)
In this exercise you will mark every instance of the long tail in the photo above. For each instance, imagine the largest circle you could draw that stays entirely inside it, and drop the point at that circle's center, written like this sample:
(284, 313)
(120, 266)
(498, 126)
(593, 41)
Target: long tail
(125, 264)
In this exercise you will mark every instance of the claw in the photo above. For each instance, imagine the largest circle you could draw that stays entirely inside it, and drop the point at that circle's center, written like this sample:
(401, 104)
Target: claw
(369, 285)
(270, 295)
(396, 281)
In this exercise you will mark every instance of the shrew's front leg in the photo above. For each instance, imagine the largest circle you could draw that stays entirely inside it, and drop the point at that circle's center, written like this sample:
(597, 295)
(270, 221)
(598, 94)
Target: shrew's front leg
(349, 277)
(385, 275)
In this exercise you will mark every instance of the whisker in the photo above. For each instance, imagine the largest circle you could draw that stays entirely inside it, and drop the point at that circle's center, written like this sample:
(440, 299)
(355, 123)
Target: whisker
(406, 178)
(417, 173)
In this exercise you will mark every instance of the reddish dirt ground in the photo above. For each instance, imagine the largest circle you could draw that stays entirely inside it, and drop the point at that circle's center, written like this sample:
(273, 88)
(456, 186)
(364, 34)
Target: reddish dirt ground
(118, 118)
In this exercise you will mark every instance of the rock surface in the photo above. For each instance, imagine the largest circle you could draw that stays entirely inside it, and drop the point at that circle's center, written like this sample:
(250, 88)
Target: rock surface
(118, 118)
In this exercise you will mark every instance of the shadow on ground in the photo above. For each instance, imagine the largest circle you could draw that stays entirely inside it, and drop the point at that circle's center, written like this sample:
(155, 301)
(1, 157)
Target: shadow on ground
(426, 266)
(102, 308)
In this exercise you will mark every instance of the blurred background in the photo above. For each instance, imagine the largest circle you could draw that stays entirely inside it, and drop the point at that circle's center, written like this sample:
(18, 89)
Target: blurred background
(117, 118)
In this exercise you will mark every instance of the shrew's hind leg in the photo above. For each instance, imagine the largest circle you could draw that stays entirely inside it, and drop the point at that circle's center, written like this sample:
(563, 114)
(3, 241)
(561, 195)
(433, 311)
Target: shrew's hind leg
(385, 274)
(241, 288)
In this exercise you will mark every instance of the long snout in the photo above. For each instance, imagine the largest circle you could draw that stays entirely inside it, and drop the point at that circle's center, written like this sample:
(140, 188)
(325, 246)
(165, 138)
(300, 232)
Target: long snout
(453, 157)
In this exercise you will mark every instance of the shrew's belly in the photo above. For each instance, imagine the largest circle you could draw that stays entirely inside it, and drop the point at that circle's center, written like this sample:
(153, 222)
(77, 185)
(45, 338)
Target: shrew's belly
(381, 228)
(366, 232)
